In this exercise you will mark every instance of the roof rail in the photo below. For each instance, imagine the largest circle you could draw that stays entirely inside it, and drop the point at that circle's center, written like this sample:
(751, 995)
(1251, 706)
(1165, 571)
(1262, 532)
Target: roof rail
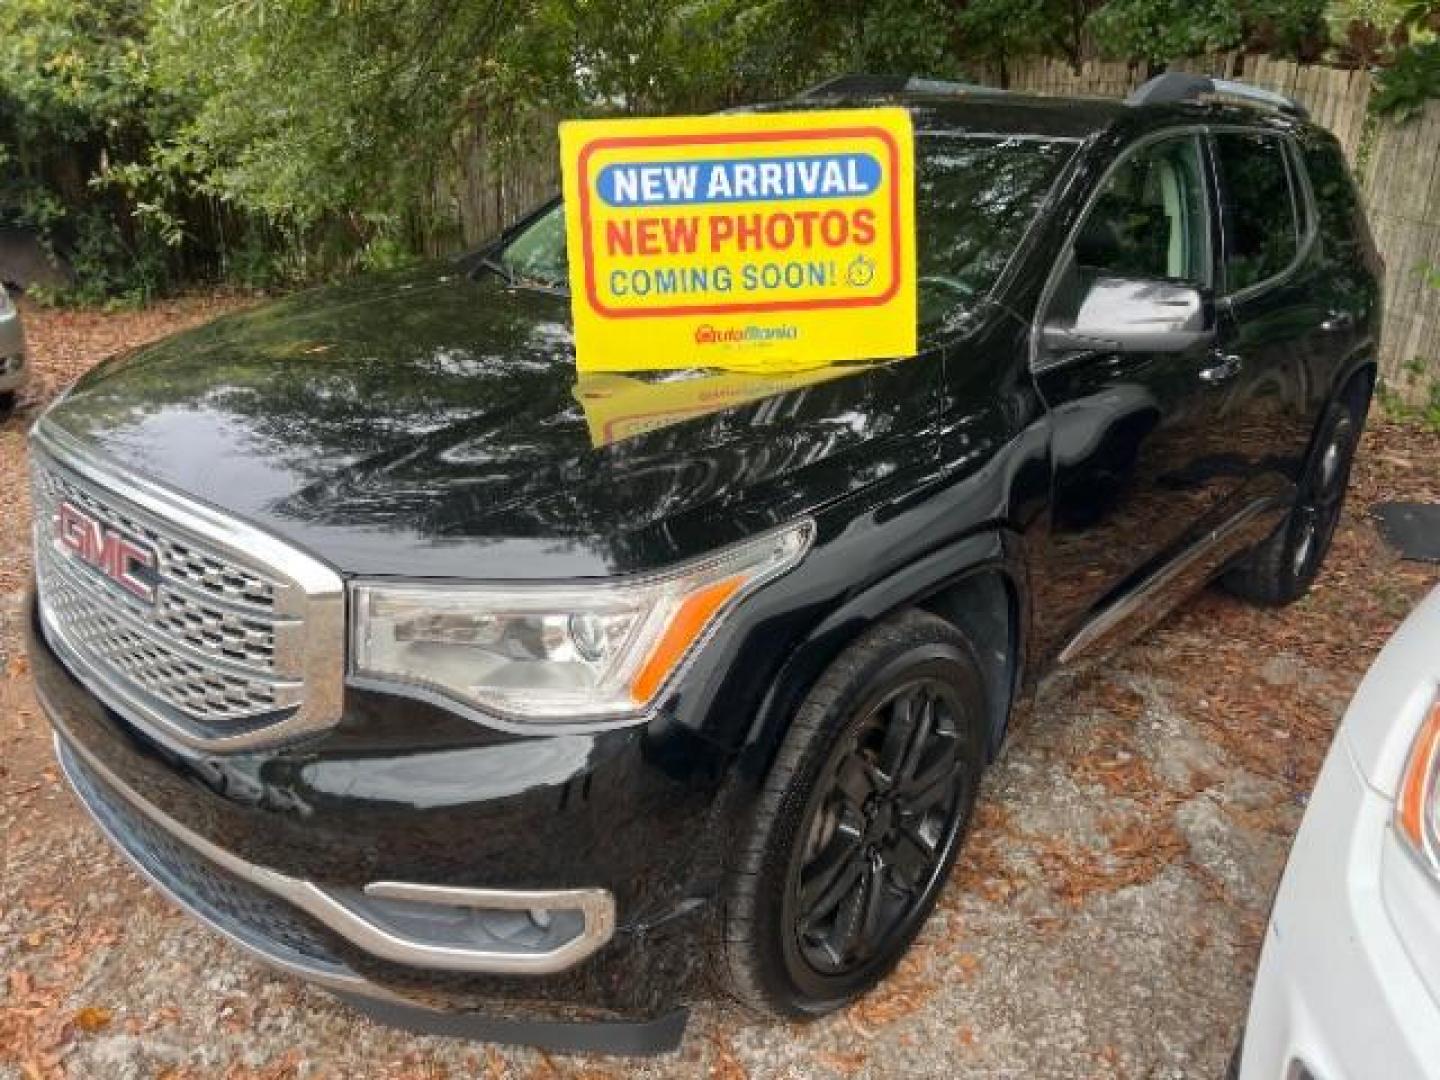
(872, 85)
(1172, 86)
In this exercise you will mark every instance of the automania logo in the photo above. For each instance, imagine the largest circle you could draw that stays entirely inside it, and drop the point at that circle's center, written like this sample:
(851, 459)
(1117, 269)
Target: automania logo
(129, 564)
(705, 334)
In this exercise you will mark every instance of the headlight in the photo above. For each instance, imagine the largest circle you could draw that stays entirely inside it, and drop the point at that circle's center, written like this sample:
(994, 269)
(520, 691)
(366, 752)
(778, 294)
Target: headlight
(1417, 808)
(577, 651)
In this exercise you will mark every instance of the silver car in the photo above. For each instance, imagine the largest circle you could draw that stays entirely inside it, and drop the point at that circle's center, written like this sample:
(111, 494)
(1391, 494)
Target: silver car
(13, 368)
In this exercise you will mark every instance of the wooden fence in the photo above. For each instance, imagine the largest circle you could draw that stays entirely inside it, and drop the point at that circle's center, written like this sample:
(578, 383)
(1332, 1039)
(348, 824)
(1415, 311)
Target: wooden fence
(489, 191)
(1336, 97)
(1398, 163)
(1402, 190)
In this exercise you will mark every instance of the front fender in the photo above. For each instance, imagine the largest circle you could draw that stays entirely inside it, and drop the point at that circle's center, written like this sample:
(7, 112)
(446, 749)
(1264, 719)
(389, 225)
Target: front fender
(992, 551)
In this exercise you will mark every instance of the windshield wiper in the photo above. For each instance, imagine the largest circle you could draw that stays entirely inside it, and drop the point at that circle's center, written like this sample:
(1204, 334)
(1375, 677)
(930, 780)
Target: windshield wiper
(496, 267)
(541, 284)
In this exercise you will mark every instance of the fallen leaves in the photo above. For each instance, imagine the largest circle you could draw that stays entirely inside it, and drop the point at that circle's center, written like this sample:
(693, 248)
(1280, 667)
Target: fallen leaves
(906, 990)
(93, 1018)
(724, 1065)
(1136, 854)
(1120, 770)
(846, 1064)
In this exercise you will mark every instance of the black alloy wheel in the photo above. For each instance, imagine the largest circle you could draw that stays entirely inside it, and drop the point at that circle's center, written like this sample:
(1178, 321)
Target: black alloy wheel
(1282, 568)
(860, 819)
(1317, 510)
(882, 822)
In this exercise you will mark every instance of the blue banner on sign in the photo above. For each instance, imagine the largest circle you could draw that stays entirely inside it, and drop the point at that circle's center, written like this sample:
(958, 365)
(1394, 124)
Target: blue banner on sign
(671, 183)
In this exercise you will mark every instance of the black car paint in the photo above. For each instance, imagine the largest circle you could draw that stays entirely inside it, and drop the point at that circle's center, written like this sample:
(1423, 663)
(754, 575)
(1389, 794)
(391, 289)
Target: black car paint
(422, 424)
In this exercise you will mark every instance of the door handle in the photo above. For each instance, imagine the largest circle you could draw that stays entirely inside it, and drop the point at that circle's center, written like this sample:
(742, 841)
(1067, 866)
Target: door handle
(1338, 321)
(1225, 367)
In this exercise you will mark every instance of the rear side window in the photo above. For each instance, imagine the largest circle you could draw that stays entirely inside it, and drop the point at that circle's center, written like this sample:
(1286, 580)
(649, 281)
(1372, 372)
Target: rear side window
(1262, 232)
(1335, 193)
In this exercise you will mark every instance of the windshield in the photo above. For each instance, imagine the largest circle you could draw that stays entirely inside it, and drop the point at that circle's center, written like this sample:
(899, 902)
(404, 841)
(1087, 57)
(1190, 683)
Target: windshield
(974, 196)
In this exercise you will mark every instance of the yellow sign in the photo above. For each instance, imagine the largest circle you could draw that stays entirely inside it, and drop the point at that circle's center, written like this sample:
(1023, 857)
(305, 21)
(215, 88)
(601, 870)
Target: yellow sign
(619, 407)
(755, 241)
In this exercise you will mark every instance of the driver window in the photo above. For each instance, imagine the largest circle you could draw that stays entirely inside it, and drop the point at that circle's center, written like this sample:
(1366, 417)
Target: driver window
(1149, 221)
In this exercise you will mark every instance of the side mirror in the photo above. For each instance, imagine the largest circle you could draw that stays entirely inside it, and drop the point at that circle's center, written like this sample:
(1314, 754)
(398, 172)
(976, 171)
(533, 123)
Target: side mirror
(1132, 315)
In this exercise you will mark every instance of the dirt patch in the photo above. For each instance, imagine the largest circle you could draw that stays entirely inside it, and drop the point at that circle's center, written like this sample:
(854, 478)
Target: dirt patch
(1102, 921)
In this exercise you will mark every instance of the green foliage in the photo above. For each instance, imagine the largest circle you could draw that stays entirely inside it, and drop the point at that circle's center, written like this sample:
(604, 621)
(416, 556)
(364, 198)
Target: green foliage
(1155, 31)
(78, 108)
(1410, 405)
(677, 56)
(892, 36)
(633, 56)
(1414, 78)
(999, 31)
(1415, 396)
(309, 110)
(1290, 28)
(276, 141)
(73, 70)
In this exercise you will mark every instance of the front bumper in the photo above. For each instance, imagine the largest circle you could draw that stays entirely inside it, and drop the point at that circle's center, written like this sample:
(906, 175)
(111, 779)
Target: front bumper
(1338, 993)
(282, 851)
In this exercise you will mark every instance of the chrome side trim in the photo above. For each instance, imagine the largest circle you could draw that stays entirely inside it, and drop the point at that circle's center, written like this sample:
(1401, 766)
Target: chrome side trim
(1119, 611)
(597, 905)
(312, 595)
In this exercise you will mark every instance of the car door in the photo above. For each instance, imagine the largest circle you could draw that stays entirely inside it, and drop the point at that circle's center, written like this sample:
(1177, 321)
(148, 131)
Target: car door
(1138, 463)
(1276, 330)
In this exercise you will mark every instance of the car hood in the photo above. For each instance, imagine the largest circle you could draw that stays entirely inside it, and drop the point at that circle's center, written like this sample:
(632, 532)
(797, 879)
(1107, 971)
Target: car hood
(431, 423)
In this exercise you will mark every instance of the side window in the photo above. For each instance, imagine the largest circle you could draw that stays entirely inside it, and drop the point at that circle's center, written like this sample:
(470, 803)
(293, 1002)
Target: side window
(1262, 233)
(1334, 192)
(1149, 220)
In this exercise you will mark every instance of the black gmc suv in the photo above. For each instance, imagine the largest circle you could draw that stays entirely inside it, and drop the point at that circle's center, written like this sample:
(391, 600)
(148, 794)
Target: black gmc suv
(366, 643)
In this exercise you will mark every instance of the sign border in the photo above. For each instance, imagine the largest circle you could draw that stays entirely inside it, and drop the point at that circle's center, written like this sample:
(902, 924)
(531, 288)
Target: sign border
(792, 135)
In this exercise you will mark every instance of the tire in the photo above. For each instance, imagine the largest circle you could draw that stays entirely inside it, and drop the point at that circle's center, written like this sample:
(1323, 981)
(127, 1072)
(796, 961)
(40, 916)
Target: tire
(1282, 568)
(837, 806)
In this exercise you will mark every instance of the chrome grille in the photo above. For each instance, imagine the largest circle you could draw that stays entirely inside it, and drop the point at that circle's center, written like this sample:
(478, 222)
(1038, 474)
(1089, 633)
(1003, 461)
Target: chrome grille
(232, 652)
(182, 563)
(151, 658)
(235, 637)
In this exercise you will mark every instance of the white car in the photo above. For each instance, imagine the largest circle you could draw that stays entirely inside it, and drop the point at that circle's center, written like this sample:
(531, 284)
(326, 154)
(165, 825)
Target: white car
(13, 369)
(1349, 978)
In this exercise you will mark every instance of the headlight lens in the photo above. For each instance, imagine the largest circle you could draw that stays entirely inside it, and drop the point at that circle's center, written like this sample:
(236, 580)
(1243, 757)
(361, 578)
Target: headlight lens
(568, 652)
(1417, 808)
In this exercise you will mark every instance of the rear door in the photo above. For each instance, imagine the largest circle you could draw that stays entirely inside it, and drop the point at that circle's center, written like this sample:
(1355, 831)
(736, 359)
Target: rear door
(1276, 336)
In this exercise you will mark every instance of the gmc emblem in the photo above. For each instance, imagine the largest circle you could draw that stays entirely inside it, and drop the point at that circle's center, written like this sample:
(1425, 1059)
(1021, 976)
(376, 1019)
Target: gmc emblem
(114, 554)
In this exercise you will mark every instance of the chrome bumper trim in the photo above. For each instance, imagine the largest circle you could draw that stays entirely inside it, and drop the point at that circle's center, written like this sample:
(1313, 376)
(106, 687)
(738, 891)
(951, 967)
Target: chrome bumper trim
(596, 905)
(336, 977)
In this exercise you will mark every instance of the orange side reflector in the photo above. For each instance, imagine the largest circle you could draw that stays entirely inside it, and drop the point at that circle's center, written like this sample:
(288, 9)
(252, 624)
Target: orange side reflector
(1417, 775)
(689, 623)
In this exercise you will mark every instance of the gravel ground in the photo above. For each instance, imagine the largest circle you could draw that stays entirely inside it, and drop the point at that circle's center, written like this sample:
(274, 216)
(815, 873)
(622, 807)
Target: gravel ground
(1104, 920)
